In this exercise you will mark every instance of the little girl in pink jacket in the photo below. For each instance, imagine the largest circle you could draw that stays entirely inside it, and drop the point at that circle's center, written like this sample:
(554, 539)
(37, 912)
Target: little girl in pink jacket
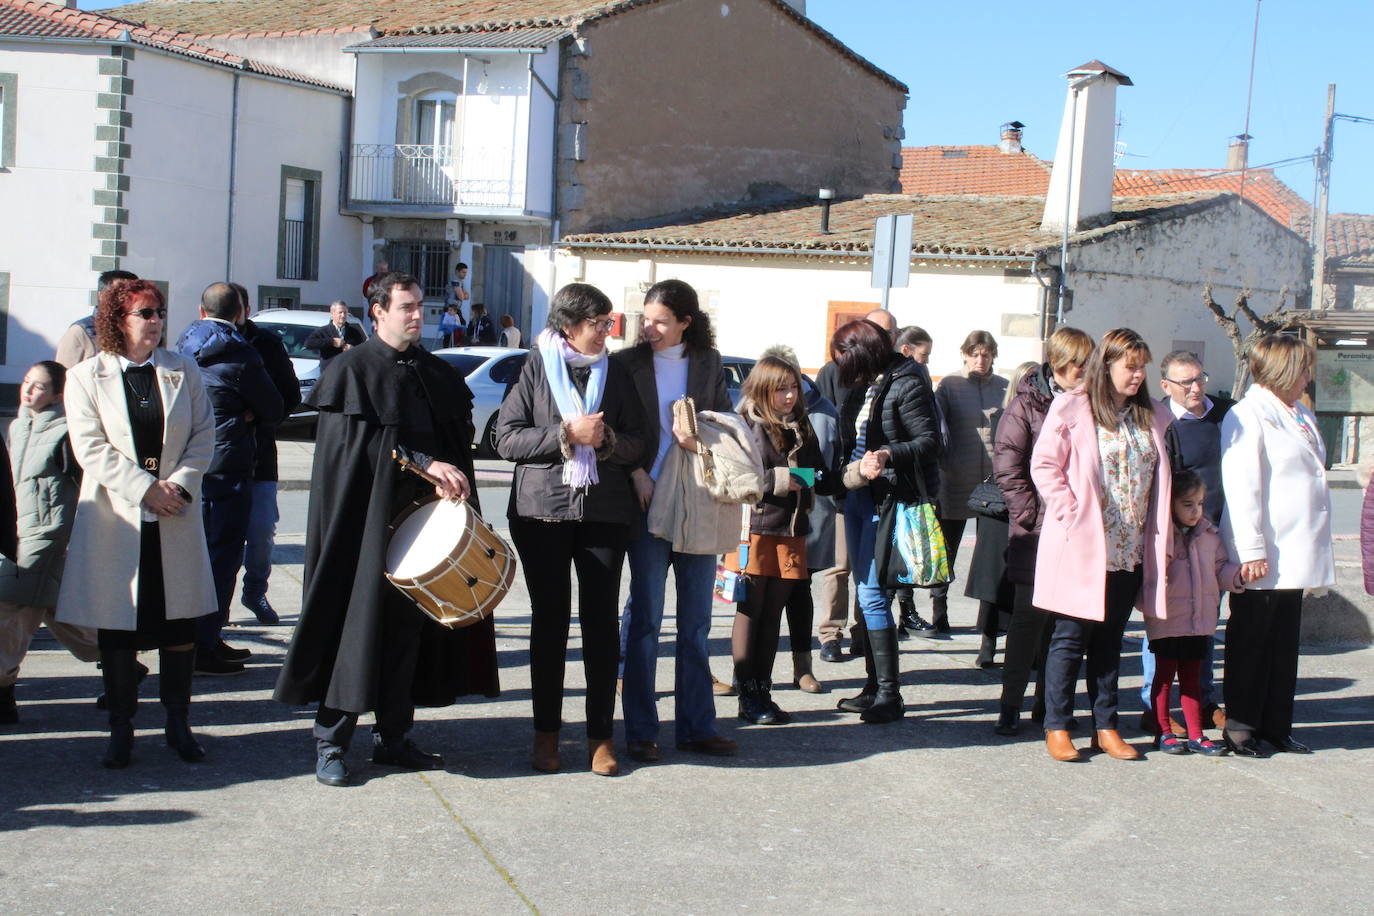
(1197, 572)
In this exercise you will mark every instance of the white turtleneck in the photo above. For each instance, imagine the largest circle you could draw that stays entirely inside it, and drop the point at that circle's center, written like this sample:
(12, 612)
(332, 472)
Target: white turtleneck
(670, 378)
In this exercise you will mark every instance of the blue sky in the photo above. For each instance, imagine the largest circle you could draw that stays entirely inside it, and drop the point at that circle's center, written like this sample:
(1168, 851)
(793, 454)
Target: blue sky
(973, 65)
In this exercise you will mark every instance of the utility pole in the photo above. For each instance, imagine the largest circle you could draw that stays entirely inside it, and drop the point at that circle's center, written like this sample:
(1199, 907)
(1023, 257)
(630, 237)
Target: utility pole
(1323, 191)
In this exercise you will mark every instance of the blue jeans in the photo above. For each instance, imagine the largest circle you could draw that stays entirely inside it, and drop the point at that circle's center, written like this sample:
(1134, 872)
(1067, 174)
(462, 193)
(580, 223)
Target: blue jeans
(226, 503)
(1147, 664)
(262, 533)
(695, 716)
(861, 535)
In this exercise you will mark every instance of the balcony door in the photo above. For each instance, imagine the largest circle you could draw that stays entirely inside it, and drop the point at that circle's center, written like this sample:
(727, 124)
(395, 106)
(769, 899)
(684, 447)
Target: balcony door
(433, 152)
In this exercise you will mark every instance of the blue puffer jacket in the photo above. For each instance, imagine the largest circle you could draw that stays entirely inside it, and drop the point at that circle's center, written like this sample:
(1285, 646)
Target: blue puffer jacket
(241, 392)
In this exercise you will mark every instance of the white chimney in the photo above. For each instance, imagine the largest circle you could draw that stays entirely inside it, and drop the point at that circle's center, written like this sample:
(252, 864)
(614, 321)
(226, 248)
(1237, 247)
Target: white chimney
(1080, 192)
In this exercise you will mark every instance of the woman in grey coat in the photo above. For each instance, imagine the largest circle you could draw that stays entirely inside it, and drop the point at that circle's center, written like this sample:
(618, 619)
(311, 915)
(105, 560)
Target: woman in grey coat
(46, 479)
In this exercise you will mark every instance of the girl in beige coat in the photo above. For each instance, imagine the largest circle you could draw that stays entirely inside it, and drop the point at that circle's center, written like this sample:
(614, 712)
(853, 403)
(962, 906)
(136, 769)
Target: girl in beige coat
(142, 430)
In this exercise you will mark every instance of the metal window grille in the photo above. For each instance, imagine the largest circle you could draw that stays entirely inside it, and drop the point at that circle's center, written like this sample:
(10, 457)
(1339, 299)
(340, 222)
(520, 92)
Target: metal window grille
(427, 261)
(295, 256)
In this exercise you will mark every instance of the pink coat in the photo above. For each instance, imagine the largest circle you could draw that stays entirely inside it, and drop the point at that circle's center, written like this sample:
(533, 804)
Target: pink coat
(1198, 571)
(1071, 562)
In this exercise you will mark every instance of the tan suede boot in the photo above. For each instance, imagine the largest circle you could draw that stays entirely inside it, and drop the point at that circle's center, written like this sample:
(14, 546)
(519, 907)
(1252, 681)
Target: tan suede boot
(1060, 746)
(545, 752)
(1109, 742)
(802, 678)
(601, 757)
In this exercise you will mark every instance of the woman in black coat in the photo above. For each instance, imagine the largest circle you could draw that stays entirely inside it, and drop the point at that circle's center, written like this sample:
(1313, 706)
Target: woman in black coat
(574, 428)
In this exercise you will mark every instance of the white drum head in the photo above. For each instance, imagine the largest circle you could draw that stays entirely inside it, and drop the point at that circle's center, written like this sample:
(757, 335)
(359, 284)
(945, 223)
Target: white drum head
(426, 538)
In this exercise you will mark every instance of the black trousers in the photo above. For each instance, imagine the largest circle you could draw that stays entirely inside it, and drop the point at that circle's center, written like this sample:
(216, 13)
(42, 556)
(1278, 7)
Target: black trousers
(398, 655)
(1262, 660)
(1028, 642)
(762, 607)
(953, 530)
(549, 551)
(800, 610)
(1073, 639)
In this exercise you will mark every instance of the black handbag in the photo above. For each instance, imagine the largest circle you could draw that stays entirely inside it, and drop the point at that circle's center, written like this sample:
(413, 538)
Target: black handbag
(988, 501)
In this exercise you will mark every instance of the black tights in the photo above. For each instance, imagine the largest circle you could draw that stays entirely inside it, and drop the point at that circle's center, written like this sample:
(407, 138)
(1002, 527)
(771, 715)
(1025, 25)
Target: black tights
(801, 610)
(754, 642)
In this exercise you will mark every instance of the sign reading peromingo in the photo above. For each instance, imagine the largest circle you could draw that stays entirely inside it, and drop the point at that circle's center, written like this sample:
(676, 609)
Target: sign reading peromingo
(1345, 381)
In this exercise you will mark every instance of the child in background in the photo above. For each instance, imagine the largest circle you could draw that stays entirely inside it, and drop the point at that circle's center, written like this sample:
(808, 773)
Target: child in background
(1198, 572)
(47, 480)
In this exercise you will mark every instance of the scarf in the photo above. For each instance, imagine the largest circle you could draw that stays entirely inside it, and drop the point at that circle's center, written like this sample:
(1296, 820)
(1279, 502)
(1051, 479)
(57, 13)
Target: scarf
(580, 472)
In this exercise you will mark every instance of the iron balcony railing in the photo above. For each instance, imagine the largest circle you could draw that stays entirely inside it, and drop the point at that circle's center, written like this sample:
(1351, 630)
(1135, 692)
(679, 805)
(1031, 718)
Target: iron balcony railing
(433, 176)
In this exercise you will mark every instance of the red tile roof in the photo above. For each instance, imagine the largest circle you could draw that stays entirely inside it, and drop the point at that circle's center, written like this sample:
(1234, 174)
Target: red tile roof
(988, 170)
(30, 18)
(1349, 238)
(274, 18)
(953, 226)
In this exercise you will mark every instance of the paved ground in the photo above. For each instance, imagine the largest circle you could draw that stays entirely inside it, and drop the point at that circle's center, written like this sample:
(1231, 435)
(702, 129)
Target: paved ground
(934, 813)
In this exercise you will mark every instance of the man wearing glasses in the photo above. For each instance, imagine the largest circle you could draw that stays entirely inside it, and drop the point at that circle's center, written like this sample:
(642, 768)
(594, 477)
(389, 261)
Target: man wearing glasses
(1194, 443)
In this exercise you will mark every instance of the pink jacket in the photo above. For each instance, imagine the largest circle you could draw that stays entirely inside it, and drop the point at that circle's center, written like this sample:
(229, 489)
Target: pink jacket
(1198, 571)
(1071, 562)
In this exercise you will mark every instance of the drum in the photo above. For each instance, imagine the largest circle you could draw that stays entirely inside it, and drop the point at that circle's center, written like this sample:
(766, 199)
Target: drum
(449, 561)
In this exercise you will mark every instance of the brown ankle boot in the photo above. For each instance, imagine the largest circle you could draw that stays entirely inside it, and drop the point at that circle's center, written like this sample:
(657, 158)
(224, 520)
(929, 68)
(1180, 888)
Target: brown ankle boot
(545, 752)
(1060, 746)
(601, 757)
(1110, 743)
(802, 678)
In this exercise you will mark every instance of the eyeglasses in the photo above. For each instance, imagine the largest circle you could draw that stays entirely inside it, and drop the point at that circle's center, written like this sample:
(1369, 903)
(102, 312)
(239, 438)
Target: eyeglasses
(148, 313)
(604, 325)
(1198, 380)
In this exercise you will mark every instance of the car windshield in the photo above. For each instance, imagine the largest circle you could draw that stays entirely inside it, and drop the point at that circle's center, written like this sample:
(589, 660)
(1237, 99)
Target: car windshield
(465, 363)
(293, 336)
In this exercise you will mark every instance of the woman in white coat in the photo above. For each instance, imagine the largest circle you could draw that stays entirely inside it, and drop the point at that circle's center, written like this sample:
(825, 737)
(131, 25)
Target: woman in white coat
(142, 429)
(1277, 525)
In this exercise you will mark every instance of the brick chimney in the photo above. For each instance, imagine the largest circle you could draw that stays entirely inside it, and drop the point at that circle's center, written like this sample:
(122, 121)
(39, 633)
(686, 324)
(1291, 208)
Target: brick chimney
(1011, 137)
(1237, 154)
(1081, 181)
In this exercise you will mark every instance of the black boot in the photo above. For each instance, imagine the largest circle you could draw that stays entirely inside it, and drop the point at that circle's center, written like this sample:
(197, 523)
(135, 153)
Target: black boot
(102, 704)
(939, 612)
(856, 639)
(780, 715)
(911, 623)
(119, 670)
(1008, 720)
(864, 700)
(9, 710)
(987, 651)
(174, 689)
(753, 704)
(887, 702)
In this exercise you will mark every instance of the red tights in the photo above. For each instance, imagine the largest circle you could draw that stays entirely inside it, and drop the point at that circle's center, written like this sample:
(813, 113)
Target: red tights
(1189, 690)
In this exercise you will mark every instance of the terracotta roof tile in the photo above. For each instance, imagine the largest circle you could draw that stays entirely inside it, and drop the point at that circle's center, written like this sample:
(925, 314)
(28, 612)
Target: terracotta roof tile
(1349, 238)
(293, 17)
(956, 225)
(30, 18)
(988, 170)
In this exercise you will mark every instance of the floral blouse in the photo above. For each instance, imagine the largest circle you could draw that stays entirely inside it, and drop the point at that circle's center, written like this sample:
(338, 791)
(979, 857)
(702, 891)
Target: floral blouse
(1128, 474)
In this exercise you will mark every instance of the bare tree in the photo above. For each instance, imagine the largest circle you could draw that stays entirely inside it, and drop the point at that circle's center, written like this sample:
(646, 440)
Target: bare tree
(1260, 325)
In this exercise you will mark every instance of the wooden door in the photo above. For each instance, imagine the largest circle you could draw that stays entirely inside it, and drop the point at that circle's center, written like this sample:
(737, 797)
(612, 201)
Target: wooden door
(839, 314)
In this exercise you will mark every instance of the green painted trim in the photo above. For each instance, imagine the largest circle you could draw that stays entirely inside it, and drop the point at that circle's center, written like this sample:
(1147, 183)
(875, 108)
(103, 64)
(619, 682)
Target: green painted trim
(9, 85)
(122, 84)
(4, 315)
(116, 215)
(111, 164)
(117, 150)
(278, 292)
(111, 66)
(121, 118)
(106, 230)
(124, 51)
(112, 248)
(100, 264)
(315, 183)
(109, 133)
(117, 182)
(113, 101)
(107, 198)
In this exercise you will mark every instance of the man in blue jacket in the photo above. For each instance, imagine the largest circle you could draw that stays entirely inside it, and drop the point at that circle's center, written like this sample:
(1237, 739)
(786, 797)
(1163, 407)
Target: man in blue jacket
(243, 396)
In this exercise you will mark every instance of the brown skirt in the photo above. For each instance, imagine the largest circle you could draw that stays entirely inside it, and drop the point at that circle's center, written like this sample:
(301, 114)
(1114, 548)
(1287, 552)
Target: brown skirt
(772, 555)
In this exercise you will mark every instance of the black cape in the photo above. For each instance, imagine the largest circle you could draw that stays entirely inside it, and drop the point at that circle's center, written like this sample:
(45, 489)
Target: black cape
(356, 490)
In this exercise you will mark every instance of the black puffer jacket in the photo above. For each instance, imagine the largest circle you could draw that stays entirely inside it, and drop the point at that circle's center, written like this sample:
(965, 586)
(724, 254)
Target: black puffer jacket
(903, 421)
(283, 374)
(241, 392)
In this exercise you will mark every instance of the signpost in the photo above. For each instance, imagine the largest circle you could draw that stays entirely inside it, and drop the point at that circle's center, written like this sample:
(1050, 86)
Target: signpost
(892, 253)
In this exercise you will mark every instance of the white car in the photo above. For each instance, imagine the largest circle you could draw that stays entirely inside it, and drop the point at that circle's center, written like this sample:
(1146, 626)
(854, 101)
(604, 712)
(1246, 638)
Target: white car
(293, 326)
(490, 373)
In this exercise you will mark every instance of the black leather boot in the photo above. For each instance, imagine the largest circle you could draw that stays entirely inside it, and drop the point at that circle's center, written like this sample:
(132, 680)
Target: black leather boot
(987, 651)
(174, 689)
(1008, 720)
(939, 613)
(864, 700)
(887, 702)
(119, 671)
(779, 715)
(856, 639)
(754, 707)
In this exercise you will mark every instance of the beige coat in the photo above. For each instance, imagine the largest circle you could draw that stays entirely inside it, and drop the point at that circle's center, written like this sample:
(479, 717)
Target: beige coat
(700, 516)
(100, 585)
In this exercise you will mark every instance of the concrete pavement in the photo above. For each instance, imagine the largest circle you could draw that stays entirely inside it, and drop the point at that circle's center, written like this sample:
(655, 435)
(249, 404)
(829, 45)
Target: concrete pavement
(932, 814)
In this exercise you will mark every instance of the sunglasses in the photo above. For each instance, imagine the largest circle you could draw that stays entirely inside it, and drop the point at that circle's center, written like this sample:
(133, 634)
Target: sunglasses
(148, 313)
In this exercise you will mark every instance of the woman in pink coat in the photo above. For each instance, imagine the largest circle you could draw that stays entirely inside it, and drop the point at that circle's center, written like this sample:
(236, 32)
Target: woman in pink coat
(1102, 471)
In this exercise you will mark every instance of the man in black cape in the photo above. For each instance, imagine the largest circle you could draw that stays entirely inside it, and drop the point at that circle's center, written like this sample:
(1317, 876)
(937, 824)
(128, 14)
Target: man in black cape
(361, 645)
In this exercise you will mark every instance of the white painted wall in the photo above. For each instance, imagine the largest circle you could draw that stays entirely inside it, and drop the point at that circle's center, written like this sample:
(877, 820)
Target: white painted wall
(759, 302)
(1084, 179)
(45, 236)
(542, 135)
(320, 56)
